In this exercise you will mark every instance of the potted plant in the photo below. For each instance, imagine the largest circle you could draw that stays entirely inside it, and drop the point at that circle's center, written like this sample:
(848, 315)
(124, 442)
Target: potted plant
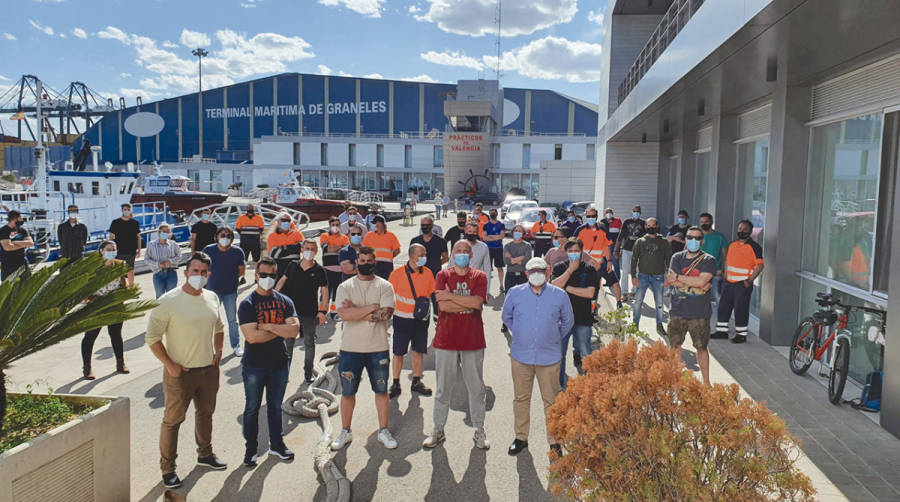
(40, 307)
(638, 426)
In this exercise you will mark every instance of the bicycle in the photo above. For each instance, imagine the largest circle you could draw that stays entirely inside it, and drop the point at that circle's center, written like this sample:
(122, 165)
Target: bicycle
(807, 345)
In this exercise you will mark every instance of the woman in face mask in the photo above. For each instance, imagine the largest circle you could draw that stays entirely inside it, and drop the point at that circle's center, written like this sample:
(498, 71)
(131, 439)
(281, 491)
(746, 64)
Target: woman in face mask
(163, 258)
(108, 250)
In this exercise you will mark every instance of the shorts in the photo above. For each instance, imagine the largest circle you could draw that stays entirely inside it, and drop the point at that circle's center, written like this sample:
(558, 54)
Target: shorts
(128, 259)
(350, 367)
(610, 278)
(497, 257)
(251, 248)
(698, 328)
(410, 332)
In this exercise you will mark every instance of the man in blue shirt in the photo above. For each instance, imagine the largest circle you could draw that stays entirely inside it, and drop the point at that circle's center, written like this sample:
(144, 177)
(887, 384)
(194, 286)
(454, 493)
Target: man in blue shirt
(569, 224)
(539, 315)
(492, 234)
(227, 267)
(714, 244)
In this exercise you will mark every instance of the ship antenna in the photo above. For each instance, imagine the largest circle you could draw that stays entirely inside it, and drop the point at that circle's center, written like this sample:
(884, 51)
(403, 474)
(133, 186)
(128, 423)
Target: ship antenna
(497, 19)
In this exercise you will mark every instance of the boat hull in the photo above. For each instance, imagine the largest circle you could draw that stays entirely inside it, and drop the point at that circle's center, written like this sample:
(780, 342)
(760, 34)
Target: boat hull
(322, 209)
(186, 202)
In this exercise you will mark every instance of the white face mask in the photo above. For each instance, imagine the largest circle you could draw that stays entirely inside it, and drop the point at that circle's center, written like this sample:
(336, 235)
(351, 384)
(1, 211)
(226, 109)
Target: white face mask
(307, 255)
(335, 229)
(73, 216)
(197, 281)
(267, 283)
(537, 279)
(224, 242)
(126, 212)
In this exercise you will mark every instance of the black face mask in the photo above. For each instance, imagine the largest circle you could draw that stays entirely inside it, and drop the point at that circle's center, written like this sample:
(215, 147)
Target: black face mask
(471, 237)
(461, 224)
(494, 216)
(366, 268)
(652, 230)
(706, 226)
(426, 229)
(743, 235)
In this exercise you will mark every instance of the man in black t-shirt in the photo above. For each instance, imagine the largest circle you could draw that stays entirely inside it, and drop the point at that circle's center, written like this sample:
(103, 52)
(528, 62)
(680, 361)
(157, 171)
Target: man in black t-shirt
(435, 246)
(126, 232)
(632, 229)
(579, 280)
(267, 319)
(306, 284)
(14, 240)
(458, 232)
(677, 233)
(203, 233)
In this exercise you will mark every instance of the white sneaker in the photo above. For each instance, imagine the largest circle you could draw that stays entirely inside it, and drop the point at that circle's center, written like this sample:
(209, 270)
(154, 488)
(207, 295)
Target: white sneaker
(238, 351)
(343, 439)
(385, 438)
(481, 440)
(436, 438)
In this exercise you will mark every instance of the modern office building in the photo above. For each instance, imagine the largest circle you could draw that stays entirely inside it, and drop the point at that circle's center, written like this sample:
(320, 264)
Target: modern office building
(783, 112)
(344, 132)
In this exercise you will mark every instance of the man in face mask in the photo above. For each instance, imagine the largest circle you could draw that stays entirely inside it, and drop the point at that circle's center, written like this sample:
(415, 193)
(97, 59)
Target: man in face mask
(163, 258)
(227, 268)
(539, 315)
(14, 240)
(543, 231)
(456, 233)
(203, 233)
(411, 283)
(386, 246)
(481, 255)
(126, 233)
(306, 284)
(366, 305)
(332, 242)
(250, 226)
(579, 280)
(690, 274)
(348, 254)
(649, 262)
(436, 254)
(569, 224)
(268, 320)
(491, 233)
(188, 318)
(632, 230)
(676, 234)
(72, 235)
(598, 245)
(354, 220)
(743, 264)
(714, 244)
(284, 234)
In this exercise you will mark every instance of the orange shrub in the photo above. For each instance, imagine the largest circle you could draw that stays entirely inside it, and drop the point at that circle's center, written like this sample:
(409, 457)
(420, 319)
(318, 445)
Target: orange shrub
(639, 426)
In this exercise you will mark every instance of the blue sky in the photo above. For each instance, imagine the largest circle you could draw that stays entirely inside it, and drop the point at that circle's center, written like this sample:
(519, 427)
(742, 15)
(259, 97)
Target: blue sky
(131, 48)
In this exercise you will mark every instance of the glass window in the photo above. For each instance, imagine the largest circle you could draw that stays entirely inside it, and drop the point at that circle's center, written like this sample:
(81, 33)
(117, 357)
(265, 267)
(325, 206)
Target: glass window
(324, 151)
(438, 156)
(310, 178)
(216, 183)
(95, 188)
(407, 156)
(439, 183)
(842, 190)
(338, 179)
(890, 161)
(55, 185)
(352, 154)
(526, 156)
(393, 185)
(508, 182)
(296, 154)
(557, 152)
(591, 152)
(702, 179)
(750, 198)
(495, 156)
(379, 156)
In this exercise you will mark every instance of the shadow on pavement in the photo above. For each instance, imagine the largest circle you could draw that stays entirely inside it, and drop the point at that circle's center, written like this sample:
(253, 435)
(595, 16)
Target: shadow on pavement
(155, 394)
(530, 487)
(73, 387)
(132, 343)
(690, 360)
(443, 482)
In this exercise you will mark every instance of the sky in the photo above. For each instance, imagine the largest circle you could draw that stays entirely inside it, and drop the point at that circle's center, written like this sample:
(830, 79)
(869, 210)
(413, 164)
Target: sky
(123, 48)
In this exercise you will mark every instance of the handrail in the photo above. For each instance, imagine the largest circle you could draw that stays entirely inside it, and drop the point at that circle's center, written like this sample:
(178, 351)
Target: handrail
(225, 214)
(433, 134)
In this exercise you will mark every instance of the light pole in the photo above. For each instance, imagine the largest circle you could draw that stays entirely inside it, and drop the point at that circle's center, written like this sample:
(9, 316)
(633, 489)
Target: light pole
(200, 53)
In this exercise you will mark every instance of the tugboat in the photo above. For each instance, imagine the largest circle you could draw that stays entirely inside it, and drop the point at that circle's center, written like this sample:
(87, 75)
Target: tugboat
(175, 192)
(306, 200)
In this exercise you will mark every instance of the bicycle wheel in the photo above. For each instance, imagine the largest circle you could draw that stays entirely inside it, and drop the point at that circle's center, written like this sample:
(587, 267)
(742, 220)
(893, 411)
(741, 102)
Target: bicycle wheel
(804, 345)
(838, 377)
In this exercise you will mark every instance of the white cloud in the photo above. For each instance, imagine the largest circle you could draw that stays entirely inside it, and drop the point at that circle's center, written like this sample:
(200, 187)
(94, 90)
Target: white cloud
(595, 16)
(376, 76)
(414, 9)
(4, 79)
(124, 75)
(420, 78)
(249, 4)
(46, 29)
(62, 35)
(371, 8)
(476, 17)
(9, 36)
(194, 39)
(113, 33)
(553, 58)
(323, 70)
(454, 58)
(78, 32)
(170, 45)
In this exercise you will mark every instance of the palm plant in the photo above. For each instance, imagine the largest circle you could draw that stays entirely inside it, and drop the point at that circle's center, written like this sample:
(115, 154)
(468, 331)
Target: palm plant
(42, 306)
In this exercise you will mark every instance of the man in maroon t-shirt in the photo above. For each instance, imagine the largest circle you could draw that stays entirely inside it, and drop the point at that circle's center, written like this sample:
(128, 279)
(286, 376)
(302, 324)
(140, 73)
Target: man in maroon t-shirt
(459, 342)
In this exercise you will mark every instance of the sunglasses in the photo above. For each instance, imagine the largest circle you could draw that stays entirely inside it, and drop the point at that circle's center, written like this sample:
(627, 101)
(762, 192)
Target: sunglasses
(263, 275)
(693, 238)
(355, 234)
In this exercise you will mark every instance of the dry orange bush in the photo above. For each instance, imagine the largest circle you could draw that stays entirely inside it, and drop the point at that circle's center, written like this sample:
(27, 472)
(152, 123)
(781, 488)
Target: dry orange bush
(639, 426)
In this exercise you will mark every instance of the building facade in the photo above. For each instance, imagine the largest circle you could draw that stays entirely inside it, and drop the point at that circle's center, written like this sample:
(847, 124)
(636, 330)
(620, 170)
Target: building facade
(344, 132)
(783, 112)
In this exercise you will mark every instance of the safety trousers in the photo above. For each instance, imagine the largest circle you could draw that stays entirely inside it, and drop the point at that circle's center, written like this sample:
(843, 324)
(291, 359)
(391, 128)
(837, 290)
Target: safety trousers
(735, 297)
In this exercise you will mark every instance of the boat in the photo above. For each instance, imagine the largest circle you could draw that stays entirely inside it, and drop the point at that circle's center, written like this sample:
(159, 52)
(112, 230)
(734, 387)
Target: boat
(175, 191)
(307, 200)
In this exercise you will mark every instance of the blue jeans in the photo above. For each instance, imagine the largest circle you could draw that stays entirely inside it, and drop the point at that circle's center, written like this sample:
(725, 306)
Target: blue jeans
(716, 289)
(229, 303)
(582, 345)
(165, 281)
(649, 281)
(351, 365)
(274, 381)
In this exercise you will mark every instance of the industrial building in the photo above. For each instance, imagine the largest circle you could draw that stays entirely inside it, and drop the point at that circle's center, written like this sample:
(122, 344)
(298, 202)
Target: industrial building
(380, 135)
(783, 112)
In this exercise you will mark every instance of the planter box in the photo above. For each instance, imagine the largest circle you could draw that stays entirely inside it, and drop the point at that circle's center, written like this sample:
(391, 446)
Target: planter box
(87, 459)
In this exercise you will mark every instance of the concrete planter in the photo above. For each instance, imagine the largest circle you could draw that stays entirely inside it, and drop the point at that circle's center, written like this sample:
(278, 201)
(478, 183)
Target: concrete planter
(86, 459)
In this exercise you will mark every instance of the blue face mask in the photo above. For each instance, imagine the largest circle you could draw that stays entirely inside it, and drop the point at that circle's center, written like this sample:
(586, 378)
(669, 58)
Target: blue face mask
(163, 235)
(555, 243)
(285, 225)
(421, 261)
(517, 235)
(692, 245)
(205, 217)
(571, 219)
(109, 255)
(636, 216)
(574, 256)
(355, 239)
(591, 221)
(461, 260)
(682, 221)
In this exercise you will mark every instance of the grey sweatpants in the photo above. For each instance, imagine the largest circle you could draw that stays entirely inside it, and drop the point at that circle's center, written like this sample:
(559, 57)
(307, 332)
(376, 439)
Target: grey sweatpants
(450, 365)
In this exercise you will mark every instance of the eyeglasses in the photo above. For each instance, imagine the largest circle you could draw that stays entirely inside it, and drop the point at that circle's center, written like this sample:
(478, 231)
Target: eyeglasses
(355, 234)
(263, 275)
(693, 238)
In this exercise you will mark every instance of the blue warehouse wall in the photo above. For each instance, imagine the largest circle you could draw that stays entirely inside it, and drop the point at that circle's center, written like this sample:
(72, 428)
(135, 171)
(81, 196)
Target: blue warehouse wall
(288, 96)
(406, 107)
(376, 93)
(313, 95)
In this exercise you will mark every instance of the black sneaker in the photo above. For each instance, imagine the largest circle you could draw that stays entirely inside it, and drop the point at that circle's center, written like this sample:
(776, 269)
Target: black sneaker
(171, 480)
(517, 446)
(418, 386)
(281, 452)
(395, 390)
(212, 462)
(718, 335)
(308, 377)
(504, 329)
(618, 305)
(661, 331)
(250, 459)
(739, 339)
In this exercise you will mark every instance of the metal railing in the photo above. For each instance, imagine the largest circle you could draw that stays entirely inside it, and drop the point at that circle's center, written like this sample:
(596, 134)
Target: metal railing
(227, 213)
(674, 20)
(196, 160)
(433, 134)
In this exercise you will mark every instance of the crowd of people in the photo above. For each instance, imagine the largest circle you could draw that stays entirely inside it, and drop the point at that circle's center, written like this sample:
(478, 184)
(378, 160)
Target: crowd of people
(550, 289)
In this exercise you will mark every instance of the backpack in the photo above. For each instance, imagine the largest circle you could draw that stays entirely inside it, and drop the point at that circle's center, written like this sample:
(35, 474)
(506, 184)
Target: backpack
(870, 400)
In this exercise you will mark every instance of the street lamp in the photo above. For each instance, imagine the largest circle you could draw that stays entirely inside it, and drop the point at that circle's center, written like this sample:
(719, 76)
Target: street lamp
(200, 53)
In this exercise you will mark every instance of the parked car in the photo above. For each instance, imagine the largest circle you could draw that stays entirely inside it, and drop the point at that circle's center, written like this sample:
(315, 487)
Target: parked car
(486, 198)
(515, 212)
(531, 216)
(510, 198)
(580, 208)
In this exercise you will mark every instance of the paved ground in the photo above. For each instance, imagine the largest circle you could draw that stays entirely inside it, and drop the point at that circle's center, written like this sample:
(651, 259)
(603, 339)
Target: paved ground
(456, 471)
